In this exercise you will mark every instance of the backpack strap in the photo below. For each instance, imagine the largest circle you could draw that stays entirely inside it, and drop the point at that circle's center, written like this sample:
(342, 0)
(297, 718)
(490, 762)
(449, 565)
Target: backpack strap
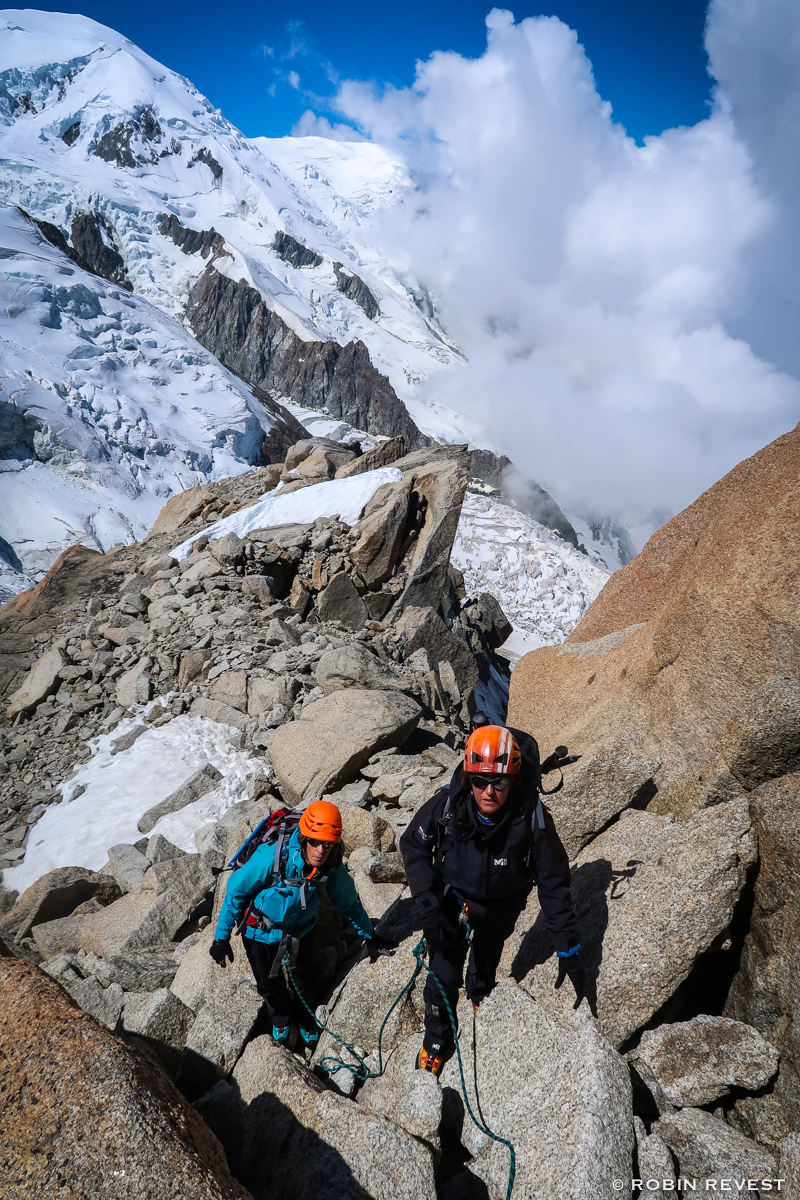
(276, 862)
(442, 829)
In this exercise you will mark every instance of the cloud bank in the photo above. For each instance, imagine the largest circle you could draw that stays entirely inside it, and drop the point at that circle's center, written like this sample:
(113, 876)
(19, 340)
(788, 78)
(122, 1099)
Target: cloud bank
(609, 297)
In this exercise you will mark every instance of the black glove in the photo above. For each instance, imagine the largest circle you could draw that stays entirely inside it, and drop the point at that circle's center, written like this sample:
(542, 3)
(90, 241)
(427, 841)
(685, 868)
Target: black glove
(572, 966)
(221, 950)
(378, 947)
(441, 933)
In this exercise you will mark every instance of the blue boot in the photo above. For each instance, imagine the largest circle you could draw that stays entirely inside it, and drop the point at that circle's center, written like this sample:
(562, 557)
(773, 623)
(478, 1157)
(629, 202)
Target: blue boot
(280, 1036)
(309, 1037)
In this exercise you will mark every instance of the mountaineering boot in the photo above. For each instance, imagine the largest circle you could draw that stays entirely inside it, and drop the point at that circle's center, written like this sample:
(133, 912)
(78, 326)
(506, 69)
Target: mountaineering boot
(430, 1062)
(280, 1036)
(309, 1039)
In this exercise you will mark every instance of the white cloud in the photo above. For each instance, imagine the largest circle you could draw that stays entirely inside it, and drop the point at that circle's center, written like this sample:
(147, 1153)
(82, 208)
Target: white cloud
(601, 290)
(310, 125)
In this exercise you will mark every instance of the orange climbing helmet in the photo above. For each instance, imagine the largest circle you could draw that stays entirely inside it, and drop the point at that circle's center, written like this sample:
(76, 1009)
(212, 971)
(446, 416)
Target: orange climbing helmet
(321, 821)
(491, 750)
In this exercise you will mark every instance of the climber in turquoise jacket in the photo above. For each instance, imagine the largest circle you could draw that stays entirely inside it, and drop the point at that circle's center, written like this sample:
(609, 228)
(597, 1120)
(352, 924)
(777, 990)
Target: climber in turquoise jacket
(276, 914)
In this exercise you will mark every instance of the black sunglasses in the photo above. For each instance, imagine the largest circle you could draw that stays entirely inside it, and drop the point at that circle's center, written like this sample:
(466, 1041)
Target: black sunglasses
(500, 783)
(317, 842)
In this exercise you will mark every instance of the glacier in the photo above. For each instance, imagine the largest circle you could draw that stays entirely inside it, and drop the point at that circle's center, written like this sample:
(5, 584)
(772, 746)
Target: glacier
(140, 191)
(107, 406)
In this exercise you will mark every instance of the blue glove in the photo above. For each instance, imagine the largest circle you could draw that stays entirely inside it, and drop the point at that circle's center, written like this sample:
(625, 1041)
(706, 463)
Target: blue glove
(569, 964)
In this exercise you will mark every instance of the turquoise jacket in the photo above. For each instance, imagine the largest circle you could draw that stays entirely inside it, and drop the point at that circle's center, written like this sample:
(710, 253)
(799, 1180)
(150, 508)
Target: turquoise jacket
(281, 903)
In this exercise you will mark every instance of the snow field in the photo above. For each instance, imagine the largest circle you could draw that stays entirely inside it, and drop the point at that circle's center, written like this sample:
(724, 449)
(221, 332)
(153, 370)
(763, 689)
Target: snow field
(120, 788)
(107, 406)
(342, 498)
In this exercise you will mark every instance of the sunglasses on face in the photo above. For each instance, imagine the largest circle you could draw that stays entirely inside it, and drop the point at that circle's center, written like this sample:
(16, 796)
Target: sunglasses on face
(500, 783)
(318, 842)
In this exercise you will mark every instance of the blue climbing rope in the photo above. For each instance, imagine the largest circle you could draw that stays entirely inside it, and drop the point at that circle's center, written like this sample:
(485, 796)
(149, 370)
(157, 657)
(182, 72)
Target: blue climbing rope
(362, 1071)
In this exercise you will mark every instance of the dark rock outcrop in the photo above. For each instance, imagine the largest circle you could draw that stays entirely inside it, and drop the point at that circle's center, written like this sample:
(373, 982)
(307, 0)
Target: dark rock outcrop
(89, 250)
(355, 289)
(207, 158)
(233, 321)
(293, 252)
(133, 143)
(192, 241)
(70, 135)
(94, 250)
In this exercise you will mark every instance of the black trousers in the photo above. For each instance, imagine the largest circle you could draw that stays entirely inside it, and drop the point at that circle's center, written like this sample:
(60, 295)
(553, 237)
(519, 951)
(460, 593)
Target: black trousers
(281, 1001)
(488, 939)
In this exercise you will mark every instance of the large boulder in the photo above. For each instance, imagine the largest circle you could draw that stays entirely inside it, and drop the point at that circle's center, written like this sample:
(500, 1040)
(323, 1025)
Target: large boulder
(549, 1082)
(159, 1016)
(40, 682)
(335, 736)
(599, 788)
(340, 601)
(219, 1032)
(707, 1148)
(128, 866)
(692, 650)
(151, 916)
(439, 479)
(651, 896)
(354, 665)
(321, 1146)
(766, 988)
(410, 1098)
(197, 785)
(54, 896)
(358, 1007)
(425, 630)
(692, 1063)
(134, 686)
(382, 455)
(380, 531)
(84, 1112)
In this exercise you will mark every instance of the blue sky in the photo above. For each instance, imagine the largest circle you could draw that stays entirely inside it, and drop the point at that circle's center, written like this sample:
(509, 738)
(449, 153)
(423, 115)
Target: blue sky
(263, 64)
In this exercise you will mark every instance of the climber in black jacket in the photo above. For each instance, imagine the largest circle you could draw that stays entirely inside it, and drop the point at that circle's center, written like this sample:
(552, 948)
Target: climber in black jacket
(472, 854)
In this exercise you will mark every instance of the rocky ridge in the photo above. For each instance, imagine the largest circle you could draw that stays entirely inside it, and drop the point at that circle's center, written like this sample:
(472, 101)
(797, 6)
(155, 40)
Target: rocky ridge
(231, 673)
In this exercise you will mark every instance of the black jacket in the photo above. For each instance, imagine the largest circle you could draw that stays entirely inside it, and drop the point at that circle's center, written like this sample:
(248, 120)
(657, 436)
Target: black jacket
(489, 866)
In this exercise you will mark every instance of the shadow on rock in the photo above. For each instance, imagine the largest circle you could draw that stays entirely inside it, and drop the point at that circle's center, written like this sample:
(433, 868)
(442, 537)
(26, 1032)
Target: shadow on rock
(272, 1153)
(595, 886)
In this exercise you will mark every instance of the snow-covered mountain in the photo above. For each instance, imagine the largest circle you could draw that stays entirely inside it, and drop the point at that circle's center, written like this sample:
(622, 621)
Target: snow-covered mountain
(91, 123)
(107, 407)
(196, 247)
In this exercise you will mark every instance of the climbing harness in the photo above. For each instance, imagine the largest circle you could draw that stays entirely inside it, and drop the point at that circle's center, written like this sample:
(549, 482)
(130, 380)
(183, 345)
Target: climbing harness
(362, 1071)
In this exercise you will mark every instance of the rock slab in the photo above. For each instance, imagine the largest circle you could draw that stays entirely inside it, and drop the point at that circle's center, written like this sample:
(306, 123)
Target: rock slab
(333, 737)
(693, 1063)
(549, 1082)
(104, 1114)
(651, 896)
